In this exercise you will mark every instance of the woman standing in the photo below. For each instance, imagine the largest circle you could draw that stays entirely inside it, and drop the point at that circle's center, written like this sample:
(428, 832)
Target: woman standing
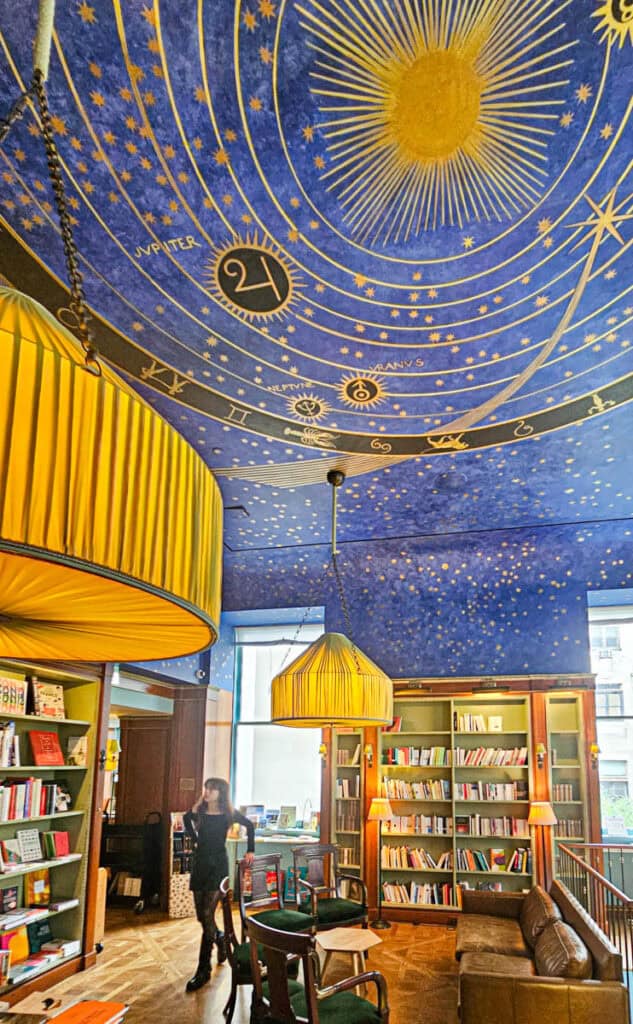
(207, 823)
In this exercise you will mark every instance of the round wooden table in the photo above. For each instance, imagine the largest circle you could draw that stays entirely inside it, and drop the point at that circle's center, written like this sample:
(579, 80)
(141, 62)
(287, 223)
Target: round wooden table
(354, 941)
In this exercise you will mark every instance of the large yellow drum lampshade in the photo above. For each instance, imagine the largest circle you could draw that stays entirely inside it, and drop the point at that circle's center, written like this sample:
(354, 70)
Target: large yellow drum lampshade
(332, 683)
(110, 523)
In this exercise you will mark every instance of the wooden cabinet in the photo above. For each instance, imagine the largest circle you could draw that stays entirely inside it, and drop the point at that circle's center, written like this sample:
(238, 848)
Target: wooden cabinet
(66, 881)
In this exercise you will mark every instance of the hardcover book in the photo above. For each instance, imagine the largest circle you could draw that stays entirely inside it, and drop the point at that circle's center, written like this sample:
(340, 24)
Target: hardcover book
(29, 845)
(48, 699)
(46, 748)
(497, 859)
(39, 932)
(8, 899)
(77, 750)
(37, 888)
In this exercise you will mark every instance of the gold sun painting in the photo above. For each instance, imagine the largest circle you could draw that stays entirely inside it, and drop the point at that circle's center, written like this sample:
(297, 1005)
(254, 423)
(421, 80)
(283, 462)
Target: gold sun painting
(436, 112)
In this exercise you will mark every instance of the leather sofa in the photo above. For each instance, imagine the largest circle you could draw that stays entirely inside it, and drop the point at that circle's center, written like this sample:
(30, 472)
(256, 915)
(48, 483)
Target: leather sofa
(536, 958)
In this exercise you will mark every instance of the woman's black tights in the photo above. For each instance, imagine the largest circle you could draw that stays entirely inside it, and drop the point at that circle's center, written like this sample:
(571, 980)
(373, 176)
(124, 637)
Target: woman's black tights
(206, 903)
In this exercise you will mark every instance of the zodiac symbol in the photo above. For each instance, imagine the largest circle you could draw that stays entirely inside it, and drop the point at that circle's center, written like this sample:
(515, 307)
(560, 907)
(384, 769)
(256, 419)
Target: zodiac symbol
(448, 442)
(622, 11)
(380, 446)
(310, 436)
(599, 405)
(523, 429)
(154, 371)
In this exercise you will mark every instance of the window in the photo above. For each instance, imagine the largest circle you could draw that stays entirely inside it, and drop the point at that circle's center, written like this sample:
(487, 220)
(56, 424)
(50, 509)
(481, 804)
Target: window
(610, 701)
(274, 766)
(611, 635)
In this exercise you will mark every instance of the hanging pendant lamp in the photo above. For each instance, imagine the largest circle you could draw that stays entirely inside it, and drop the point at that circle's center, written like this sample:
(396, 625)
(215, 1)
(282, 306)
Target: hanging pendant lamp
(110, 523)
(332, 682)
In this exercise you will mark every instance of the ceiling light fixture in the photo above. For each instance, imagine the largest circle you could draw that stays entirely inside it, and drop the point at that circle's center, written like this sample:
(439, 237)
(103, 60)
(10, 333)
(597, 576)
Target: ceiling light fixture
(332, 683)
(110, 523)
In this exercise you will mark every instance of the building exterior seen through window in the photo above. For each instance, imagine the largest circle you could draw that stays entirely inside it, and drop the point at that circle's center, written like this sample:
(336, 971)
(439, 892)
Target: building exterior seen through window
(611, 639)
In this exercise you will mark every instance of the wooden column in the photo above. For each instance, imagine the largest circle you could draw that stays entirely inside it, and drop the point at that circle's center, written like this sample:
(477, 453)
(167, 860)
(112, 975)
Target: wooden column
(96, 818)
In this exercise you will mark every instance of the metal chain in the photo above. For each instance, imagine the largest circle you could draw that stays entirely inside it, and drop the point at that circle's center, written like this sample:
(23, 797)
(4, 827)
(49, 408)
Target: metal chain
(304, 618)
(78, 300)
(16, 113)
(346, 616)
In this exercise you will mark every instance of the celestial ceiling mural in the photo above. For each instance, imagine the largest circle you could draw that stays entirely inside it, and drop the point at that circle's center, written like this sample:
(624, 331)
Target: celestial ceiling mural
(392, 233)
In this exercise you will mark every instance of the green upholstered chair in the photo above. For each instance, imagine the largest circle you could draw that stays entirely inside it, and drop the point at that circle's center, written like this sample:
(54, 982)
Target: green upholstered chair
(238, 953)
(319, 888)
(280, 999)
(260, 893)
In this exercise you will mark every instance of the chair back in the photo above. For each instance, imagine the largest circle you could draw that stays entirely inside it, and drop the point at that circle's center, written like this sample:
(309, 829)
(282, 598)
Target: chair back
(318, 864)
(279, 950)
(230, 938)
(259, 885)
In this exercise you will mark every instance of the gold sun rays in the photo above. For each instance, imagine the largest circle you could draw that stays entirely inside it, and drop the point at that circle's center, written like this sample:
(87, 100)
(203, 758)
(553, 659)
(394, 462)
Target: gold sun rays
(435, 111)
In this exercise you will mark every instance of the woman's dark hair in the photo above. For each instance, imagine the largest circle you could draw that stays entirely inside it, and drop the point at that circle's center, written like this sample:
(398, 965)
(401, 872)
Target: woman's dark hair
(224, 797)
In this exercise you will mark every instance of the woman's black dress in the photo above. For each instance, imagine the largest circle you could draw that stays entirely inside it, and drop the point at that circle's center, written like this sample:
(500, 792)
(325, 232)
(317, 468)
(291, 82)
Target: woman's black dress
(210, 862)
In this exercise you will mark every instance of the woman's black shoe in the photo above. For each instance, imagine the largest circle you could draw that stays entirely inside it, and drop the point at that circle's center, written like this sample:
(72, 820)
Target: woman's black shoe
(199, 979)
(220, 943)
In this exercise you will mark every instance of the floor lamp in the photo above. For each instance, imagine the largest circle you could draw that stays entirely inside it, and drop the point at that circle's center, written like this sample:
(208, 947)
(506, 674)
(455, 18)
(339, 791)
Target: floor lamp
(542, 816)
(380, 810)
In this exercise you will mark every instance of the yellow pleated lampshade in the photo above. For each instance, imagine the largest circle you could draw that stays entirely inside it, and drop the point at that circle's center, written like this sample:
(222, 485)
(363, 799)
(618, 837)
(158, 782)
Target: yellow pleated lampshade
(110, 523)
(332, 683)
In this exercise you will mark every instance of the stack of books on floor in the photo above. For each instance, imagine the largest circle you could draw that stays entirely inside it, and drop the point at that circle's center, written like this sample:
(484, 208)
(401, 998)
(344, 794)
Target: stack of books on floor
(40, 1007)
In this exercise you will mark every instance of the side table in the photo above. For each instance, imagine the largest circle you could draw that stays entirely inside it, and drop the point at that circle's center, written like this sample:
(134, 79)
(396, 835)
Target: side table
(354, 941)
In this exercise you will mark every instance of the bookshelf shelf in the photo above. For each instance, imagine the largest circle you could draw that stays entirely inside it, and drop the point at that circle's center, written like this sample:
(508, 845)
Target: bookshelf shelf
(36, 971)
(493, 839)
(490, 732)
(421, 871)
(418, 835)
(420, 906)
(32, 769)
(41, 917)
(41, 817)
(504, 874)
(47, 719)
(18, 870)
(348, 831)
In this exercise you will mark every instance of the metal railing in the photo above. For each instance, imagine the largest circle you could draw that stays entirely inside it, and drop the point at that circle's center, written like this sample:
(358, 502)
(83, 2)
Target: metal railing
(590, 870)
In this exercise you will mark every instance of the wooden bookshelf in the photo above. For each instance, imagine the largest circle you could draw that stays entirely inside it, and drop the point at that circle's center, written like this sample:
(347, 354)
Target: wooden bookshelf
(73, 876)
(436, 730)
(348, 798)
(567, 781)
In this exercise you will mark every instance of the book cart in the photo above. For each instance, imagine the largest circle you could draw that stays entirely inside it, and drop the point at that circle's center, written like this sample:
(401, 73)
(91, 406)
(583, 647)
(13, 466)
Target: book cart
(48, 815)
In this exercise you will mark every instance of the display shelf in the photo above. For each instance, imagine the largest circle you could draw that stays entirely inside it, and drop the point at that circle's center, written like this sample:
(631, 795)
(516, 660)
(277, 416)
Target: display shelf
(42, 917)
(500, 802)
(37, 971)
(18, 870)
(41, 817)
(421, 871)
(499, 875)
(420, 906)
(347, 826)
(78, 694)
(48, 719)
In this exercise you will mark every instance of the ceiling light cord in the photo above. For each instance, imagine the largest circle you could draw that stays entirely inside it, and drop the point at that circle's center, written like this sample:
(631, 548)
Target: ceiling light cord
(336, 478)
(77, 305)
(16, 113)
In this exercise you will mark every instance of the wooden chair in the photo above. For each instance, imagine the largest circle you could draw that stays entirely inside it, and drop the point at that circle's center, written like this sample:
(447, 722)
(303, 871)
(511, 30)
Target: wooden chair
(285, 1001)
(260, 893)
(238, 953)
(319, 892)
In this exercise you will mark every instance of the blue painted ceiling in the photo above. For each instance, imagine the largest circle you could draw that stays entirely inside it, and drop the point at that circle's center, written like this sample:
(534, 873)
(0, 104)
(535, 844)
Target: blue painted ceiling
(393, 236)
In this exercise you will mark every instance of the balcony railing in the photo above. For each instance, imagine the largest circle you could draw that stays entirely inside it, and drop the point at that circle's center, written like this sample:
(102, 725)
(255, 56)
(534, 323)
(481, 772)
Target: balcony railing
(591, 871)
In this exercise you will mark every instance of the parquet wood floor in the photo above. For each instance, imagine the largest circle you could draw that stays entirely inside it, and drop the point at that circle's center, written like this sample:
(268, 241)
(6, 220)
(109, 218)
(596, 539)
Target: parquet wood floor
(147, 959)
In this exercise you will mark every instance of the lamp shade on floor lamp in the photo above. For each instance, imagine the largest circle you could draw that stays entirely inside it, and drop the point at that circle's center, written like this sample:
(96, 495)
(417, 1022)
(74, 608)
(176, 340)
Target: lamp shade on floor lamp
(542, 816)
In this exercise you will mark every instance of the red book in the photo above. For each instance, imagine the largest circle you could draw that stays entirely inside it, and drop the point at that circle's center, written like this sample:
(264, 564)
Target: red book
(62, 844)
(46, 748)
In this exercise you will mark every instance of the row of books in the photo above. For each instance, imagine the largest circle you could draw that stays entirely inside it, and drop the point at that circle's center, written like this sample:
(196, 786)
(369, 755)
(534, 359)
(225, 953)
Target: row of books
(490, 756)
(30, 846)
(477, 825)
(22, 696)
(348, 757)
(568, 827)
(31, 798)
(429, 893)
(349, 854)
(477, 723)
(422, 756)
(348, 788)
(563, 791)
(521, 861)
(491, 790)
(27, 915)
(476, 860)
(428, 789)
(420, 824)
(348, 817)
(46, 749)
(415, 857)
